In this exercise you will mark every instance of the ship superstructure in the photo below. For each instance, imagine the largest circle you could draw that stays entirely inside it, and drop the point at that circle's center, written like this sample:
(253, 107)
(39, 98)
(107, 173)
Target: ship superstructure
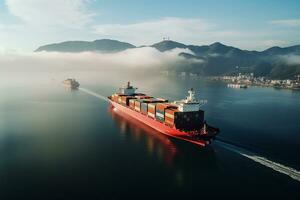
(190, 103)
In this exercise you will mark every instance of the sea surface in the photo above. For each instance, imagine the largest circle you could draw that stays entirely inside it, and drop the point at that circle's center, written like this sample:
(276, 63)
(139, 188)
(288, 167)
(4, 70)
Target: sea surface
(58, 143)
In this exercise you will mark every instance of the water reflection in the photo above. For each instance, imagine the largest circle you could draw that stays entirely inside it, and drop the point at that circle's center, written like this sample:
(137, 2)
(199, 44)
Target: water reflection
(171, 151)
(157, 144)
(69, 89)
(184, 160)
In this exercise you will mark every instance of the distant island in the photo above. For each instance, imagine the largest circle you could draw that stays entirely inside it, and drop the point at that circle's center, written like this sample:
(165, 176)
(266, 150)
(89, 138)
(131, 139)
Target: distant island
(217, 58)
(104, 45)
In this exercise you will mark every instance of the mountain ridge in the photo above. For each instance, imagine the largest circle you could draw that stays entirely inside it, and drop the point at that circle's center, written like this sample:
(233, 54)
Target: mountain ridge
(102, 45)
(217, 58)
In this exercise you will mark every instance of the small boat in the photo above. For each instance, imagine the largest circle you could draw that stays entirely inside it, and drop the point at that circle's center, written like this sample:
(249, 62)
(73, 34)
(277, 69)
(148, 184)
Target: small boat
(71, 83)
(231, 85)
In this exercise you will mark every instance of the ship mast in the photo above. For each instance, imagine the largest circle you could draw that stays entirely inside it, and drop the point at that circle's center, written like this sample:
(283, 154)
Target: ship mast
(191, 97)
(127, 90)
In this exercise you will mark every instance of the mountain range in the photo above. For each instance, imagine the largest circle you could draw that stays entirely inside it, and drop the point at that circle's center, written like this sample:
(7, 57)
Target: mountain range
(216, 59)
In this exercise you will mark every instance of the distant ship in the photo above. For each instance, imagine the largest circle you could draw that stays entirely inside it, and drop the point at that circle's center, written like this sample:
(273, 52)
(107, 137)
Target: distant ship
(231, 85)
(71, 83)
(179, 119)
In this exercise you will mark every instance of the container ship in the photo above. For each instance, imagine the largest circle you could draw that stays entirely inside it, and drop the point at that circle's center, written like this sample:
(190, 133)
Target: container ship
(179, 119)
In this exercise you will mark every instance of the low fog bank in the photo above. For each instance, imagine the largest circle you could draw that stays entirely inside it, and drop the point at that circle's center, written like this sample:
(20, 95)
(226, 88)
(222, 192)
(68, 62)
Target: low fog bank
(89, 67)
(145, 58)
(291, 59)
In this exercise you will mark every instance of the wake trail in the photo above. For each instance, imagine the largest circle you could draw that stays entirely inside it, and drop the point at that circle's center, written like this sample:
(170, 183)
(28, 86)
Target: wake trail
(292, 173)
(90, 92)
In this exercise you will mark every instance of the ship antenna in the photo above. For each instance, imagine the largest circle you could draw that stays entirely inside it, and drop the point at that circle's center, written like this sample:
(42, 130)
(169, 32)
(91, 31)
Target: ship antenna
(191, 96)
(128, 84)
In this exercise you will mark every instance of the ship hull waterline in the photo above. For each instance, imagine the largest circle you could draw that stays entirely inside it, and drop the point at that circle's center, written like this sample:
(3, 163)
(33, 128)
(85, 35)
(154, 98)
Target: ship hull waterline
(158, 126)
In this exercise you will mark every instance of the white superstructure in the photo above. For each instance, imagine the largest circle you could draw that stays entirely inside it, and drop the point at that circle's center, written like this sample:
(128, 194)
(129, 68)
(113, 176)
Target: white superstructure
(190, 103)
(71, 82)
(128, 90)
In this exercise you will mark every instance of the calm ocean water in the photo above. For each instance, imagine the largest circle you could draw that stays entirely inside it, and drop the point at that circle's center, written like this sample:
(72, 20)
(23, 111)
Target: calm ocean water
(59, 143)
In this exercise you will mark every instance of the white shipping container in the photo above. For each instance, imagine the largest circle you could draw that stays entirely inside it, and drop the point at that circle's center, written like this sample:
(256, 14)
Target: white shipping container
(137, 108)
(151, 115)
(159, 115)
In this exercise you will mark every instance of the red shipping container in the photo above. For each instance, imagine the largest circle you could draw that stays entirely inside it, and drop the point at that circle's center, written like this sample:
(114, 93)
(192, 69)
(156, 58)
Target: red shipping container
(142, 97)
(169, 112)
(163, 106)
(169, 121)
(170, 115)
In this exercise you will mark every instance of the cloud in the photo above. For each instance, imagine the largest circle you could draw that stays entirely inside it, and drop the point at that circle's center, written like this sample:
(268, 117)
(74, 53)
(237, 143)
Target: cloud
(291, 59)
(51, 21)
(67, 13)
(287, 22)
(271, 43)
(195, 31)
(39, 69)
(180, 29)
(139, 58)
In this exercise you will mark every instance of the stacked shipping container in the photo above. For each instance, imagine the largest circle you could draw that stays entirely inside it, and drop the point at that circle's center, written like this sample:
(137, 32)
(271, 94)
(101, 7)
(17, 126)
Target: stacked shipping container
(162, 111)
(131, 103)
(170, 115)
(137, 105)
(125, 100)
(151, 110)
(144, 108)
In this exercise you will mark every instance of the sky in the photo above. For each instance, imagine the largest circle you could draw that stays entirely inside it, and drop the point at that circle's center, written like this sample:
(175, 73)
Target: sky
(253, 25)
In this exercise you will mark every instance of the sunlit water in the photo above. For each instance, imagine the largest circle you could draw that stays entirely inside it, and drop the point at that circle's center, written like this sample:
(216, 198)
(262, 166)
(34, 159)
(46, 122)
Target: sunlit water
(62, 143)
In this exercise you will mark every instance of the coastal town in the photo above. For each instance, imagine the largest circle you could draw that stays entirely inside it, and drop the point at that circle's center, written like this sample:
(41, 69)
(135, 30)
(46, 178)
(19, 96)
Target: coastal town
(245, 80)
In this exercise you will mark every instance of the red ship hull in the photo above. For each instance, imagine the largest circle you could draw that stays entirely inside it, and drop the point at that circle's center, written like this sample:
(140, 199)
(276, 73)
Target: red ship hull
(162, 128)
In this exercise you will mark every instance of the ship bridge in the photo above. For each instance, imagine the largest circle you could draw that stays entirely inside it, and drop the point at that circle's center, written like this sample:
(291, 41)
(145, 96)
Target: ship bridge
(127, 90)
(190, 103)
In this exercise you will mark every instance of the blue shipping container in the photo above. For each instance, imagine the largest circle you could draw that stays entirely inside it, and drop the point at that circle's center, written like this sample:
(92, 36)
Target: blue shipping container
(144, 107)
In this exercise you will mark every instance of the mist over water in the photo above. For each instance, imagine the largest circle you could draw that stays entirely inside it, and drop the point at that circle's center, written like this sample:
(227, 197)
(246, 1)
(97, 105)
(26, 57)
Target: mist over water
(55, 139)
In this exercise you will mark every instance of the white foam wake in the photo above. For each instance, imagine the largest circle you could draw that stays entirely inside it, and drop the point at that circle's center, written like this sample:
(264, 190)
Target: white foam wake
(93, 93)
(293, 173)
